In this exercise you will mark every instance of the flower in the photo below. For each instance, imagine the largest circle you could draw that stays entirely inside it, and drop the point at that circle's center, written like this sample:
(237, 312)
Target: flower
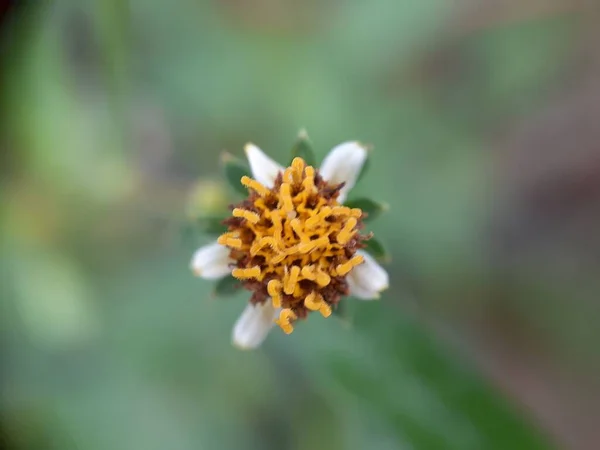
(293, 244)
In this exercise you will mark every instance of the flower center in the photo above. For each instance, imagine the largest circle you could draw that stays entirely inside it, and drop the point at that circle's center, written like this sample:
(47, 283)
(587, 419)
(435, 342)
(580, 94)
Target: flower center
(294, 243)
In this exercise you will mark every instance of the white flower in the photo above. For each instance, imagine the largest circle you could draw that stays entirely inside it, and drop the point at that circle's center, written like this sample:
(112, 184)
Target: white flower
(254, 324)
(365, 277)
(367, 280)
(211, 262)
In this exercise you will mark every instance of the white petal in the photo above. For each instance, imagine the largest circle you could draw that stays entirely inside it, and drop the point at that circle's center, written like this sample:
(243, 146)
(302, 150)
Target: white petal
(356, 290)
(211, 261)
(343, 164)
(368, 279)
(254, 324)
(264, 169)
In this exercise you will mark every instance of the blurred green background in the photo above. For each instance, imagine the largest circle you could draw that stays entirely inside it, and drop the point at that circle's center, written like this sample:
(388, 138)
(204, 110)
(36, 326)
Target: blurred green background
(483, 116)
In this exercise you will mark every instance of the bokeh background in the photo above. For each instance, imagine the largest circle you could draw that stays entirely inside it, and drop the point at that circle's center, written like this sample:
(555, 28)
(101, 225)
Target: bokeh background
(484, 119)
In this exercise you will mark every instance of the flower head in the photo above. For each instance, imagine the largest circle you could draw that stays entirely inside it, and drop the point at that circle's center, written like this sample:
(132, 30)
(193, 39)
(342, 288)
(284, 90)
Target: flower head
(293, 244)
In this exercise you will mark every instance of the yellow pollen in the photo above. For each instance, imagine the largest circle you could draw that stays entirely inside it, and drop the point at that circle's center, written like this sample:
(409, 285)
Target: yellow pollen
(229, 241)
(296, 243)
(297, 227)
(290, 280)
(323, 279)
(308, 272)
(313, 301)
(347, 232)
(343, 269)
(286, 197)
(274, 290)
(309, 246)
(325, 310)
(242, 274)
(248, 215)
(286, 317)
(345, 211)
(258, 245)
(309, 181)
(255, 186)
(298, 165)
(277, 226)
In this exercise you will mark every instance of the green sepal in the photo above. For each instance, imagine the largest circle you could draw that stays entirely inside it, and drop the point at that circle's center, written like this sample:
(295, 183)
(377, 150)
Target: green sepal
(212, 224)
(303, 149)
(371, 207)
(377, 250)
(235, 169)
(226, 286)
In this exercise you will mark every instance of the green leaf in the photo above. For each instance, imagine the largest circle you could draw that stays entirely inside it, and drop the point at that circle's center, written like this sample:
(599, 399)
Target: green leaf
(235, 169)
(376, 249)
(227, 286)
(371, 207)
(212, 224)
(303, 149)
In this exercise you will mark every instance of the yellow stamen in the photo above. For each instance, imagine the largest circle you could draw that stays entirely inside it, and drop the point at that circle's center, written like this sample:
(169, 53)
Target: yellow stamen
(343, 269)
(313, 301)
(298, 169)
(295, 241)
(248, 215)
(255, 186)
(323, 279)
(277, 226)
(297, 227)
(274, 290)
(298, 292)
(309, 246)
(290, 280)
(345, 211)
(286, 197)
(286, 317)
(242, 274)
(259, 244)
(318, 218)
(348, 231)
(325, 310)
(278, 258)
(229, 241)
(309, 182)
(308, 272)
(288, 175)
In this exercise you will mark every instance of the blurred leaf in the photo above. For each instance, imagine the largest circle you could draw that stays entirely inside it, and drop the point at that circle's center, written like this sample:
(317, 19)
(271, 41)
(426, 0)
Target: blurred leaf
(227, 286)
(235, 169)
(376, 249)
(303, 149)
(371, 207)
